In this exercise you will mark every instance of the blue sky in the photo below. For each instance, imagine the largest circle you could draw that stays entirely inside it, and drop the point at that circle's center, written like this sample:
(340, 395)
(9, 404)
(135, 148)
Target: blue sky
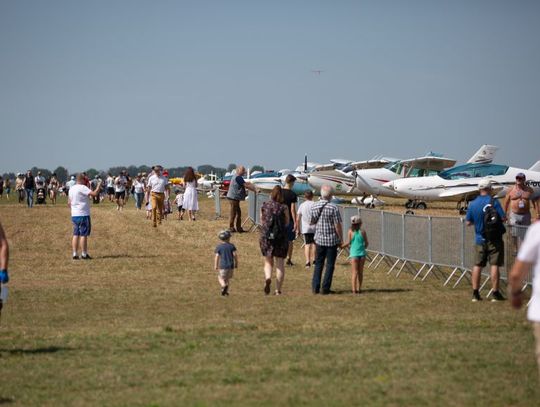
(104, 83)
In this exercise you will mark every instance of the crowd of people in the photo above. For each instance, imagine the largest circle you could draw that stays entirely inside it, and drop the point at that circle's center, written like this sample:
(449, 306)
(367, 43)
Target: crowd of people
(282, 222)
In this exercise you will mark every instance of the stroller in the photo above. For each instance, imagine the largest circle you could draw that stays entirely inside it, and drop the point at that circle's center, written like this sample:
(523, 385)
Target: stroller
(40, 196)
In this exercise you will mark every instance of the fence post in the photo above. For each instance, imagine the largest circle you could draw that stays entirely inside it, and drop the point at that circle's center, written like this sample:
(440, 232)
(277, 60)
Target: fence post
(462, 242)
(430, 239)
(402, 236)
(382, 233)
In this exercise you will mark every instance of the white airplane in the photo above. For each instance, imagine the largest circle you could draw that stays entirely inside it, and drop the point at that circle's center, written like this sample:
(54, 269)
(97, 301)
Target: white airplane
(208, 181)
(461, 183)
(371, 181)
(339, 174)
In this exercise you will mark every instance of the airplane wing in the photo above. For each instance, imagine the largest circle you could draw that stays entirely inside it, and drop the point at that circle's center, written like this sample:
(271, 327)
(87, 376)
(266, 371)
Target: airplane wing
(467, 191)
(430, 163)
(362, 165)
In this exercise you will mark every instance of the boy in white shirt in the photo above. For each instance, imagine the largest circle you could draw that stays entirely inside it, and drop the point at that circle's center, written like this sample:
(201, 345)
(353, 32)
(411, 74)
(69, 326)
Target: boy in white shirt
(179, 201)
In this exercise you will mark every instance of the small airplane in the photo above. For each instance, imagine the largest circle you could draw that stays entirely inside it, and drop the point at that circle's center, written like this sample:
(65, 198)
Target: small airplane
(371, 181)
(317, 71)
(340, 174)
(460, 184)
(208, 181)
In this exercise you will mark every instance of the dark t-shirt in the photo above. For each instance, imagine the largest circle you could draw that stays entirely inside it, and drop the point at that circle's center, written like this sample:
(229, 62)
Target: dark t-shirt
(226, 257)
(289, 197)
(29, 182)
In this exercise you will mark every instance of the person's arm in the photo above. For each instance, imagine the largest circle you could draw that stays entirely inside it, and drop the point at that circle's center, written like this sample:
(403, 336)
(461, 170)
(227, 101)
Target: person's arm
(287, 220)
(294, 216)
(366, 243)
(516, 277)
(349, 238)
(216, 262)
(499, 208)
(95, 192)
(235, 255)
(507, 200)
(339, 230)
(299, 223)
(4, 250)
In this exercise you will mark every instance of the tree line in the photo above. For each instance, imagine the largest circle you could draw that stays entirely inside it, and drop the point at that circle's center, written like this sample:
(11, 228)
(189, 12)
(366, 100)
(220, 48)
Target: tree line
(63, 173)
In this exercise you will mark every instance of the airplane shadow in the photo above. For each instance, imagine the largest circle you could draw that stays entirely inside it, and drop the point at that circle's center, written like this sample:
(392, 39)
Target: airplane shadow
(36, 351)
(6, 400)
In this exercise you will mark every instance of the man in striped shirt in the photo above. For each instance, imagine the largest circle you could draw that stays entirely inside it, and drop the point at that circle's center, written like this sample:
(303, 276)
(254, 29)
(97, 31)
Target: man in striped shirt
(328, 237)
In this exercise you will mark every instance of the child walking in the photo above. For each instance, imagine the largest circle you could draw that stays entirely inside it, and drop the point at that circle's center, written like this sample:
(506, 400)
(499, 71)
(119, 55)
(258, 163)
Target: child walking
(226, 261)
(179, 200)
(358, 243)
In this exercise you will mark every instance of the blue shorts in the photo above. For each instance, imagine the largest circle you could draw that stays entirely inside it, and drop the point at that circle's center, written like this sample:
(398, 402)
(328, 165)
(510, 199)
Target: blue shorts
(81, 225)
(291, 235)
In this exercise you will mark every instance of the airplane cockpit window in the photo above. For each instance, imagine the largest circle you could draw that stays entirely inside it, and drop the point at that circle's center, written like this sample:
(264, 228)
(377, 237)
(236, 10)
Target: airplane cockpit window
(396, 167)
(473, 171)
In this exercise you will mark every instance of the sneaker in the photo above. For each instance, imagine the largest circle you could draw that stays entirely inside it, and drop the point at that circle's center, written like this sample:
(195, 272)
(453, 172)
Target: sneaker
(497, 296)
(308, 265)
(267, 286)
(86, 257)
(289, 262)
(75, 257)
(277, 292)
(224, 290)
(476, 297)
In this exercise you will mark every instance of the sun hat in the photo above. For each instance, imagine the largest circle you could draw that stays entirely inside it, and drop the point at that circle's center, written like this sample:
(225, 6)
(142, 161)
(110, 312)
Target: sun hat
(355, 220)
(520, 175)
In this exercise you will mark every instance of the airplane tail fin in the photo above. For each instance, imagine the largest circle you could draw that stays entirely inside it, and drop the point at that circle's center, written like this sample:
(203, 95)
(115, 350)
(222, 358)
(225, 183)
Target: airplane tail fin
(484, 155)
(535, 167)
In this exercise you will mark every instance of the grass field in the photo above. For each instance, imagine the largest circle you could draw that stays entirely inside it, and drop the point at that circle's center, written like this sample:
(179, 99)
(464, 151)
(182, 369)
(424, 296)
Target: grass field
(144, 324)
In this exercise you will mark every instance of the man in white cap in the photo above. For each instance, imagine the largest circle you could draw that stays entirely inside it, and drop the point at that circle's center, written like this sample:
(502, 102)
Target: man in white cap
(489, 244)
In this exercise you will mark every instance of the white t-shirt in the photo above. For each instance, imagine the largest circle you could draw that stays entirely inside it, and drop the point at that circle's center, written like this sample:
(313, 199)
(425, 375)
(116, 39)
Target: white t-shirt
(157, 184)
(120, 184)
(110, 182)
(39, 180)
(139, 186)
(305, 210)
(78, 198)
(530, 253)
(179, 199)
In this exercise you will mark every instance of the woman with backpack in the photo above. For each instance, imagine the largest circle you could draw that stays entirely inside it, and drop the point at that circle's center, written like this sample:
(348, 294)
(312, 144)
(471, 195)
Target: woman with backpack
(273, 240)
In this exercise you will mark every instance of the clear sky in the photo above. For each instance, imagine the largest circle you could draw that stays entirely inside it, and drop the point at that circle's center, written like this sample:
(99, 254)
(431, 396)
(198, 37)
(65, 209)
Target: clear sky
(102, 83)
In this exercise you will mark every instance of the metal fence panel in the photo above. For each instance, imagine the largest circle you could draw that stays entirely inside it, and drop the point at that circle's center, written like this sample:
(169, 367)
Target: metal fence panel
(393, 234)
(446, 240)
(346, 213)
(371, 222)
(417, 247)
(261, 198)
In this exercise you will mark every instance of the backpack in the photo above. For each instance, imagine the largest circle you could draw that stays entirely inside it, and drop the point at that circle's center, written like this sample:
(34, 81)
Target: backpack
(276, 229)
(493, 224)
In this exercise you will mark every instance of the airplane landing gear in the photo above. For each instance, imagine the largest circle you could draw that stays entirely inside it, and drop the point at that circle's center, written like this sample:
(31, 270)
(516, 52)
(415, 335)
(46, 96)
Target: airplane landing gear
(409, 204)
(462, 207)
(420, 205)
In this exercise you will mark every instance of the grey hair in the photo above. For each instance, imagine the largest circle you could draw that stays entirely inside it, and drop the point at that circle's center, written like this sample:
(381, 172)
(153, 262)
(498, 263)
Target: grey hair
(326, 191)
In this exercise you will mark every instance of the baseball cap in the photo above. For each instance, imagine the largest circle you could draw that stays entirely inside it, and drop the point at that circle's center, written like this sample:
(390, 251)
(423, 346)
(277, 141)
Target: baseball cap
(355, 220)
(520, 175)
(484, 183)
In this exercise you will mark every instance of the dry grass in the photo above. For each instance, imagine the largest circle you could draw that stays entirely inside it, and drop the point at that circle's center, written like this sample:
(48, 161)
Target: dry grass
(144, 324)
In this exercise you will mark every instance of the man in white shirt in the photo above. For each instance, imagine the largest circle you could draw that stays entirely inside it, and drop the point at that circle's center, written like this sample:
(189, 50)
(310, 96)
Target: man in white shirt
(155, 189)
(79, 203)
(110, 187)
(528, 256)
(120, 191)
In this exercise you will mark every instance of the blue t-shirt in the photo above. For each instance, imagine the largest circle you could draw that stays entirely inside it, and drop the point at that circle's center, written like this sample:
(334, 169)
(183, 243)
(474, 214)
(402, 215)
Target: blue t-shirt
(475, 214)
(226, 256)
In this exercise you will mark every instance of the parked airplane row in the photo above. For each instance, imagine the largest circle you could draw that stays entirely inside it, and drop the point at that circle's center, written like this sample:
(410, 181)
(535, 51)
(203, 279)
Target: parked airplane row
(431, 177)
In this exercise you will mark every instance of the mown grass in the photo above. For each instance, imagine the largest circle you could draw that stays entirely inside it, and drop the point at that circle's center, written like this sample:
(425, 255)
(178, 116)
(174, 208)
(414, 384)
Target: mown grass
(144, 324)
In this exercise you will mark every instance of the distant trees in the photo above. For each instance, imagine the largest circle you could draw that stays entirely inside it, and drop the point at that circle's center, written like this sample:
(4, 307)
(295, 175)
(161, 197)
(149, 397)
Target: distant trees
(231, 167)
(257, 168)
(61, 173)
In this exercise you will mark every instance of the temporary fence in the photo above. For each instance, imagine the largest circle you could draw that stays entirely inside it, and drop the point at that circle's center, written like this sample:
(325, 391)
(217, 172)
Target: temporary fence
(420, 245)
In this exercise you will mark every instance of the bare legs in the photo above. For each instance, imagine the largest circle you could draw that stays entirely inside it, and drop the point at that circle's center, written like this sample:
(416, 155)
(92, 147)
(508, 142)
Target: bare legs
(280, 273)
(309, 253)
(476, 272)
(357, 274)
(81, 241)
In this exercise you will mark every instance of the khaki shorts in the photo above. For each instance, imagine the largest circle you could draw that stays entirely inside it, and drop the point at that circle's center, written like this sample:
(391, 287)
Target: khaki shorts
(492, 251)
(519, 224)
(226, 274)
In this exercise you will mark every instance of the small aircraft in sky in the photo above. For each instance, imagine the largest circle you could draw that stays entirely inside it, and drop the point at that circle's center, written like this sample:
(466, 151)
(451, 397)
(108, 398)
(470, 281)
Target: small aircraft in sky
(460, 184)
(317, 71)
